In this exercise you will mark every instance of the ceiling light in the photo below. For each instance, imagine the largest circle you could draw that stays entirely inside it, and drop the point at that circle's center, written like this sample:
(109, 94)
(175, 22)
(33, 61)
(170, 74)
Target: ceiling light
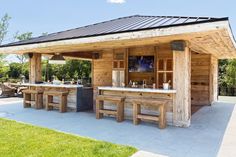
(57, 59)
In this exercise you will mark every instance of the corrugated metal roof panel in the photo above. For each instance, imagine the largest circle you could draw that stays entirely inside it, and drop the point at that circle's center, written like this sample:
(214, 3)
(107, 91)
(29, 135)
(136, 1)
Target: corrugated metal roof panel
(125, 24)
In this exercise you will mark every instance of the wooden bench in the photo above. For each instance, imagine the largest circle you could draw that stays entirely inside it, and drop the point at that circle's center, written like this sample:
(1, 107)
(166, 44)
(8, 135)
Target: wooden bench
(62, 105)
(138, 116)
(118, 101)
(33, 97)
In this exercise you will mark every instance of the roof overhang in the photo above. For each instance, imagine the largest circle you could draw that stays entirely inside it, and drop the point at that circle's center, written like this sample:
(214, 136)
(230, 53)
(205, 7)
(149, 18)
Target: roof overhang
(214, 38)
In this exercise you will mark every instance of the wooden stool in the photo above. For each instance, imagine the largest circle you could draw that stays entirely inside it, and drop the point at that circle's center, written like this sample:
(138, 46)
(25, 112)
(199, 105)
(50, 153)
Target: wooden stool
(28, 99)
(138, 116)
(118, 101)
(62, 105)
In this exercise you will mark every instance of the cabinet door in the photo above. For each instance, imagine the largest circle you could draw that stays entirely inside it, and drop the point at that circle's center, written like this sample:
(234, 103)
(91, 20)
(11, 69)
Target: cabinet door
(160, 65)
(115, 64)
(160, 80)
(169, 64)
(121, 64)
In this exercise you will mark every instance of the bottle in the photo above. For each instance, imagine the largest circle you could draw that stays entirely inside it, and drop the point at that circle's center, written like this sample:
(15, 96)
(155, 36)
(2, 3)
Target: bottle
(130, 83)
(154, 86)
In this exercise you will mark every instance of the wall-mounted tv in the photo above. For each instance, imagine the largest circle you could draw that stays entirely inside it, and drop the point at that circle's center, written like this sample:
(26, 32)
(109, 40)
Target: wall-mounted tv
(141, 64)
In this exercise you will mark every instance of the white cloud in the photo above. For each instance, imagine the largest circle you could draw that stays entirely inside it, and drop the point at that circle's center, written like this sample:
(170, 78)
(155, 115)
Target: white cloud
(116, 1)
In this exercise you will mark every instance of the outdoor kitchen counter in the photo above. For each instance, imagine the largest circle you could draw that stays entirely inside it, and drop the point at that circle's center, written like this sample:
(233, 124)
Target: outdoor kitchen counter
(51, 85)
(131, 94)
(79, 98)
(145, 90)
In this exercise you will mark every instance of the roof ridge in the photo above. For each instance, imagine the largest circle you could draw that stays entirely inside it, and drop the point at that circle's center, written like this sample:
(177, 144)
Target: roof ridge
(169, 16)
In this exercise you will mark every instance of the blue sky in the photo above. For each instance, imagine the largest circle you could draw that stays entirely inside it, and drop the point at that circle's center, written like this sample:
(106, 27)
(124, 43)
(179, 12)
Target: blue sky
(57, 15)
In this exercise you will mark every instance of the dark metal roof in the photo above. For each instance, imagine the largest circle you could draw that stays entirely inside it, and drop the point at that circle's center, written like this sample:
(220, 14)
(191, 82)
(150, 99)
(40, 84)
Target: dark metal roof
(120, 25)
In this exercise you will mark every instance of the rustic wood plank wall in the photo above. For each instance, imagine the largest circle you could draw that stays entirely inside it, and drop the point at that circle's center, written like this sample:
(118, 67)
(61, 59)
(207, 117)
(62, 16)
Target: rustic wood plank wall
(200, 82)
(102, 71)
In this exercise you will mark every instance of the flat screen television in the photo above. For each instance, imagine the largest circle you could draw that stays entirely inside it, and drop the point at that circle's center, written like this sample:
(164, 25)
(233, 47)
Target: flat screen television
(141, 64)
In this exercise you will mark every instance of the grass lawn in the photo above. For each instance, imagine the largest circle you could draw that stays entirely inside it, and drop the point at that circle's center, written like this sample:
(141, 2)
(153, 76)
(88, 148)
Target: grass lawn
(23, 140)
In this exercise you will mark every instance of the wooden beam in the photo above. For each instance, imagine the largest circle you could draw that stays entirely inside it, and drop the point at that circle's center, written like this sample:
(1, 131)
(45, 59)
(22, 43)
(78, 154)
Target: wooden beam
(182, 84)
(35, 68)
(202, 34)
(86, 55)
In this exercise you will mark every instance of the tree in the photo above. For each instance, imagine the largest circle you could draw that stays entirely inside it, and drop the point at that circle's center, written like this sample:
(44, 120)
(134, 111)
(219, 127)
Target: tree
(223, 63)
(73, 69)
(4, 24)
(22, 37)
(230, 73)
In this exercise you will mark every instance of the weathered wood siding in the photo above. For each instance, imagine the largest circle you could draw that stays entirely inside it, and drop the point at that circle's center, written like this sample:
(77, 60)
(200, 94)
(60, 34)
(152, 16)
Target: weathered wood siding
(102, 71)
(200, 79)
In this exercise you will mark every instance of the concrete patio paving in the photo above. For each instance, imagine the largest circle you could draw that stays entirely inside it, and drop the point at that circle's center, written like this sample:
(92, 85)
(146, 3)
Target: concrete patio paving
(203, 138)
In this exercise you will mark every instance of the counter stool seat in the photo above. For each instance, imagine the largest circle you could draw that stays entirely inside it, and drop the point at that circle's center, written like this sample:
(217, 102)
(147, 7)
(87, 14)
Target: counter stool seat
(138, 116)
(33, 97)
(62, 105)
(117, 100)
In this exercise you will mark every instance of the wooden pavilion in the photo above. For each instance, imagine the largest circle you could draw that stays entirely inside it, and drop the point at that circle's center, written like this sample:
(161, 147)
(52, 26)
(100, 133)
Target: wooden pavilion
(186, 51)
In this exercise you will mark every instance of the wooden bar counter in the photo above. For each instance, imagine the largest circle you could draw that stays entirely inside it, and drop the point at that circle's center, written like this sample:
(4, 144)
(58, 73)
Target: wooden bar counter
(78, 98)
(136, 93)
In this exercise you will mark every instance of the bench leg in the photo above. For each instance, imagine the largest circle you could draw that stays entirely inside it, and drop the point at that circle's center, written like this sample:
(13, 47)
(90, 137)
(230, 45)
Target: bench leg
(63, 102)
(39, 101)
(99, 106)
(49, 99)
(27, 97)
(136, 111)
(120, 112)
(162, 117)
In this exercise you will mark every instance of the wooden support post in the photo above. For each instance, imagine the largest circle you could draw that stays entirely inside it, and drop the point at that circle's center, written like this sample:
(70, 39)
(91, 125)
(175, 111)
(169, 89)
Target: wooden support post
(39, 101)
(27, 97)
(99, 106)
(182, 84)
(136, 111)
(120, 111)
(35, 68)
(162, 117)
(63, 106)
(213, 80)
(49, 99)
